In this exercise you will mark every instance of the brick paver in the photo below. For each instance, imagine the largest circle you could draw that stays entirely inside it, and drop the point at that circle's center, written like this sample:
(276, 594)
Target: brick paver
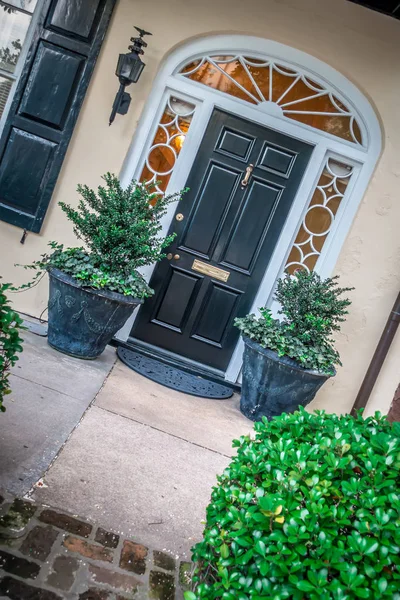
(133, 557)
(106, 538)
(39, 542)
(48, 555)
(66, 522)
(63, 572)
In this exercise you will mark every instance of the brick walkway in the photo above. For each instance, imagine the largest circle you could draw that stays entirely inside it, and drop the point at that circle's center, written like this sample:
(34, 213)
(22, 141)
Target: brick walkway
(49, 555)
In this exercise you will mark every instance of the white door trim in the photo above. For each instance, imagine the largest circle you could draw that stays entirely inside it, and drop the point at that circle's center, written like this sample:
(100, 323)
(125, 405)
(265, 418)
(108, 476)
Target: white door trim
(362, 158)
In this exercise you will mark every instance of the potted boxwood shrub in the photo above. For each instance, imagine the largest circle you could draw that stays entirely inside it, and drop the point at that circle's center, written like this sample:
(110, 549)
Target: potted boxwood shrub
(309, 508)
(10, 341)
(95, 288)
(287, 360)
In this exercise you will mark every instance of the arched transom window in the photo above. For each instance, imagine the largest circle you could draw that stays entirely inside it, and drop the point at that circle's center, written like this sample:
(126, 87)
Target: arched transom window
(262, 82)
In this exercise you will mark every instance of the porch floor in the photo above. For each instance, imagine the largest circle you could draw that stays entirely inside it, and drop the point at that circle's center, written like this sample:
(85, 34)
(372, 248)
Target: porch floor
(141, 459)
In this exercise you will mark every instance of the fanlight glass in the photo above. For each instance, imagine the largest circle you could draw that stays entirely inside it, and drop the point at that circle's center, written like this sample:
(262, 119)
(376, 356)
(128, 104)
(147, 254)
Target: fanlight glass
(262, 82)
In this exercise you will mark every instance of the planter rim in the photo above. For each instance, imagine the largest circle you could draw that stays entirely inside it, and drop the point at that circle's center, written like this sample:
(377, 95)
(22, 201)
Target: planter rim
(109, 295)
(283, 360)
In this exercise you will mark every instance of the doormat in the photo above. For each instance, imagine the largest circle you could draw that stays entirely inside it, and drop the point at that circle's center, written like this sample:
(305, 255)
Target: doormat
(173, 377)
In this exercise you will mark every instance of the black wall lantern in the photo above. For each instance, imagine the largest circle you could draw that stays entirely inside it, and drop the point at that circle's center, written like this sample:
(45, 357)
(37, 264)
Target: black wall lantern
(129, 69)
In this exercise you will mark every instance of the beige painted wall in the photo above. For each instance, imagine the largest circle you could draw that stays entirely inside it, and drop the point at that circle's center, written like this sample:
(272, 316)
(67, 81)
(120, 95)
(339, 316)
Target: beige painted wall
(361, 44)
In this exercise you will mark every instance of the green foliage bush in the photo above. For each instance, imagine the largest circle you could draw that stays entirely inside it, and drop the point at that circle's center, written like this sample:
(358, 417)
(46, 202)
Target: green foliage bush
(10, 341)
(312, 310)
(121, 232)
(308, 509)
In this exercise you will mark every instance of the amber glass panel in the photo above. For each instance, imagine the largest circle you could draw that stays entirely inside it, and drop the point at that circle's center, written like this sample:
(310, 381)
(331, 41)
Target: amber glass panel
(237, 71)
(261, 75)
(335, 125)
(319, 104)
(254, 61)
(215, 78)
(311, 261)
(357, 132)
(190, 67)
(291, 94)
(282, 82)
(318, 220)
(161, 159)
(167, 143)
(319, 217)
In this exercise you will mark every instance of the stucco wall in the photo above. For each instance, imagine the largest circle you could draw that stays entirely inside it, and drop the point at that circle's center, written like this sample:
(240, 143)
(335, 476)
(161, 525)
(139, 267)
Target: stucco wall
(361, 44)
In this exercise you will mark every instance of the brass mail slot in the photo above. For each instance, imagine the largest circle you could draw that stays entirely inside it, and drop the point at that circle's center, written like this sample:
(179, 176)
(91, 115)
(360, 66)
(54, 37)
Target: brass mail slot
(207, 269)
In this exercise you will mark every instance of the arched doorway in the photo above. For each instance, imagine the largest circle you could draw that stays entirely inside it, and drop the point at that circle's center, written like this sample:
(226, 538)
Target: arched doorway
(277, 149)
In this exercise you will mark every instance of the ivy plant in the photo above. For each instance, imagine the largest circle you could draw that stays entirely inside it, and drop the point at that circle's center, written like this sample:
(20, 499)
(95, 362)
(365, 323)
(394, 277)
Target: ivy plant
(312, 310)
(120, 228)
(309, 508)
(10, 341)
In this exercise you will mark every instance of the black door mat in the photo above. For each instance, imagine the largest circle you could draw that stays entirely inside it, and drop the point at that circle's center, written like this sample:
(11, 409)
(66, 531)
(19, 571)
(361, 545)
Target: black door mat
(173, 377)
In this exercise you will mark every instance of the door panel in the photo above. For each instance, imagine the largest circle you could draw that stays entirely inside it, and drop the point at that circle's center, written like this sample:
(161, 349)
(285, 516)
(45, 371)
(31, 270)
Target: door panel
(277, 161)
(220, 183)
(230, 229)
(173, 310)
(252, 224)
(233, 143)
(215, 314)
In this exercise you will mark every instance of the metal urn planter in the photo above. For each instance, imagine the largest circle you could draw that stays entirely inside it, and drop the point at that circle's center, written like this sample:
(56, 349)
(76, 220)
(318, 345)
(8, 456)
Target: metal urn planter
(272, 384)
(83, 321)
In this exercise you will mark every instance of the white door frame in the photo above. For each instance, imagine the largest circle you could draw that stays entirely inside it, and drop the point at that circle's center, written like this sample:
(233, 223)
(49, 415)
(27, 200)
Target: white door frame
(363, 159)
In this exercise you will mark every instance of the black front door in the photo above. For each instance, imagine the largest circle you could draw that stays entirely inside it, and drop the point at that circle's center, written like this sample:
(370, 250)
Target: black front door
(242, 185)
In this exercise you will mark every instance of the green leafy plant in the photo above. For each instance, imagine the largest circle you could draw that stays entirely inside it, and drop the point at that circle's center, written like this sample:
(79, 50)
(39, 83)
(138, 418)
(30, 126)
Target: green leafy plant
(309, 508)
(10, 341)
(312, 310)
(121, 232)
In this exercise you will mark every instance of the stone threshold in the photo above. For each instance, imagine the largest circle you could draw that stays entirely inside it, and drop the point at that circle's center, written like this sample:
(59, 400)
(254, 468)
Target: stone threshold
(46, 554)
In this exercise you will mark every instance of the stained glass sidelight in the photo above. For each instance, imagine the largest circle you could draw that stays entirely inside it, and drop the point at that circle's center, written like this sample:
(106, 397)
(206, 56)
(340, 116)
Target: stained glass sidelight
(167, 143)
(320, 216)
(263, 82)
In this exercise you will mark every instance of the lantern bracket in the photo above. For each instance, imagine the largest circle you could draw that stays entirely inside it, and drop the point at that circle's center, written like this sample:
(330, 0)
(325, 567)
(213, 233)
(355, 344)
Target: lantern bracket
(129, 69)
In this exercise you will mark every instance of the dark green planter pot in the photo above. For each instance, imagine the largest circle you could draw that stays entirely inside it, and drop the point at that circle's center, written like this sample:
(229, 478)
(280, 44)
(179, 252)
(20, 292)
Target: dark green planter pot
(83, 321)
(272, 385)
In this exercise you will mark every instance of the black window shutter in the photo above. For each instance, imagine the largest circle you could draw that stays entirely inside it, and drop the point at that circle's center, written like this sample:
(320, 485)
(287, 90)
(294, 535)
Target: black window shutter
(46, 105)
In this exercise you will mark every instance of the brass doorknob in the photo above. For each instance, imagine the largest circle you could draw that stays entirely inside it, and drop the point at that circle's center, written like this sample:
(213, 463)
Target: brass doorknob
(179, 217)
(170, 256)
(176, 257)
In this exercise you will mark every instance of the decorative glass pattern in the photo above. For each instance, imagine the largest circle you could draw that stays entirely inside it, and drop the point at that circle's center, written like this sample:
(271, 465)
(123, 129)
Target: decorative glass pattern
(264, 82)
(320, 216)
(167, 143)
